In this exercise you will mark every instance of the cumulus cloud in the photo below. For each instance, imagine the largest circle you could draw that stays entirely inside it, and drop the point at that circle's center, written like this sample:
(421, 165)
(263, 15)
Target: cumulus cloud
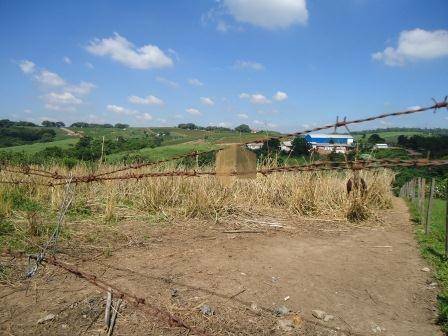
(83, 88)
(280, 96)
(121, 110)
(242, 116)
(123, 51)
(149, 100)
(27, 67)
(193, 111)
(167, 82)
(49, 78)
(248, 65)
(144, 116)
(195, 82)
(64, 101)
(61, 95)
(67, 60)
(414, 45)
(270, 14)
(207, 101)
(256, 98)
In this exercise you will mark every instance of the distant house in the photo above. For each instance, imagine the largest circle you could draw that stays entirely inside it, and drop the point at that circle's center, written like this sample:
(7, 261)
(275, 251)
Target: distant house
(254, 145)
(286, 146)
(380, 146)
(327, 143)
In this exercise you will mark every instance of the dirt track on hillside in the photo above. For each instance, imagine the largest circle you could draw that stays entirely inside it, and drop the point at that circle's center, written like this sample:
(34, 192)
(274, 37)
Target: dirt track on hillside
(369, 277)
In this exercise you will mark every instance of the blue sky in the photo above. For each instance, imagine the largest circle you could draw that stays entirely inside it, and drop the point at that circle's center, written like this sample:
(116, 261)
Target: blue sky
(280, 64)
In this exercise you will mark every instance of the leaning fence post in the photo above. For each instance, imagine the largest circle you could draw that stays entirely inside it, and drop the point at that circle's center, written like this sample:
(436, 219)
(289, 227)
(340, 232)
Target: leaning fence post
(428, 211)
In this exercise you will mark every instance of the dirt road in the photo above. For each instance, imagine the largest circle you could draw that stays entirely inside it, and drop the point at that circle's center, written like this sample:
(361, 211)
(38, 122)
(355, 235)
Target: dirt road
(368, 276)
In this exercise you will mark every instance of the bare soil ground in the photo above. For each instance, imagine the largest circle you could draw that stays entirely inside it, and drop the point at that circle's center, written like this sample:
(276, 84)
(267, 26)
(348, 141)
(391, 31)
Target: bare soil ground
(368, 276)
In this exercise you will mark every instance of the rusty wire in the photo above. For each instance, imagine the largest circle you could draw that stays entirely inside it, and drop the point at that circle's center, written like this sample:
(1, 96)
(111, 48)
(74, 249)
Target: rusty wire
(434, 107)
(139, 302)
(316, 166)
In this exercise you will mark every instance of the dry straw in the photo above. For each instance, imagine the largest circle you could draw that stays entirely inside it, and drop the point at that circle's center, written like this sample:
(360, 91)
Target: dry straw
(301, 193)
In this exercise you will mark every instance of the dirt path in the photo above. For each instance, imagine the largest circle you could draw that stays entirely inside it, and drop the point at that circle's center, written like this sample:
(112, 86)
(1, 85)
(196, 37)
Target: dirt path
(369, 278)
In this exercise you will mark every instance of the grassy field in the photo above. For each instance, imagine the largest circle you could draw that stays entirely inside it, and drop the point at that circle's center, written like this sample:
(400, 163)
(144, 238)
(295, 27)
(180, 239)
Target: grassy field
(164, 152)
(38, 146)
(433, 249)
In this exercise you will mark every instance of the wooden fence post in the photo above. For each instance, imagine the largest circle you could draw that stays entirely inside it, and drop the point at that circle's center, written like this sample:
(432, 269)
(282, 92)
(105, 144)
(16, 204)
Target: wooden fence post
(428, 211)
(422, 203)
(446, 220)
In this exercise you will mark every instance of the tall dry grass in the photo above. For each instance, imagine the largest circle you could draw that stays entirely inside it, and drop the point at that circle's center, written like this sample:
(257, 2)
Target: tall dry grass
(313, 194)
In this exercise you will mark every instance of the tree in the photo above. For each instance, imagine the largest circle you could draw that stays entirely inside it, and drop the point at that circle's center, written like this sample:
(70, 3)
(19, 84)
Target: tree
(375, 138)
(243, 128)
(60, 124)
(122, 126)
(300, 146)
(47, 123)
(271, 146)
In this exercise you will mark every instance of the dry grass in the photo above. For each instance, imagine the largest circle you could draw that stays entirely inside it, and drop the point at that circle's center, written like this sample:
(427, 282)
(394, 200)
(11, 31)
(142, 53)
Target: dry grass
(314, 194)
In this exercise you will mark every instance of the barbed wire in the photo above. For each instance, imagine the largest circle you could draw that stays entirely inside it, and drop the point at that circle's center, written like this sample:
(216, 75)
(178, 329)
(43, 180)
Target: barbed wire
(434, 107)
(316, 166)
(139, 302)
(35, 260)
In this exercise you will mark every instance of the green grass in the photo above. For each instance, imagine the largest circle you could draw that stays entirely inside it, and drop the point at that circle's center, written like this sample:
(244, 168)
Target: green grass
(432, 247)
(164, 152)
(38, 146)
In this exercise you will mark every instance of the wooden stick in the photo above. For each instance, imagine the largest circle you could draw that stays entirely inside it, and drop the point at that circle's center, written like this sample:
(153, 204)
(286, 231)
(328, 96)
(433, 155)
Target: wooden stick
(428, 211)
(107, 311)
(243, 231)
(422, 205)
(114, 317)
(446, 221)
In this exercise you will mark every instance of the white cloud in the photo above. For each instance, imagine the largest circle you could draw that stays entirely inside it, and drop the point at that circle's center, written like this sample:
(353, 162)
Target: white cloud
(64, 101)
(224, 124)
(222, 26)
(256, 98)
(195, 82)
(149, 100)
(414, 108)
(280, 96)
(49, 78)
(242, 116)
(121, 110)
(144, 116)
(67, 60)
(248, 65)
(414, 45)
(83, 88)
(89, 65)
(258, 122)
(207, 101)
(269, 14)
(167, 82)
(193, 111)
(27, 67)
(121, 50)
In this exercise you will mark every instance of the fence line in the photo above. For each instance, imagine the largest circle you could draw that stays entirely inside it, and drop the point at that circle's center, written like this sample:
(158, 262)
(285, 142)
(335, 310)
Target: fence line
(435, 107)
(316, 166)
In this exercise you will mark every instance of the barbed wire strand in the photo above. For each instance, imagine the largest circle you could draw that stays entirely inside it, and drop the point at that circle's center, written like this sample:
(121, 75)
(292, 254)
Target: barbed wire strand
(317, 166)
(434, 107)
(35, 261)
